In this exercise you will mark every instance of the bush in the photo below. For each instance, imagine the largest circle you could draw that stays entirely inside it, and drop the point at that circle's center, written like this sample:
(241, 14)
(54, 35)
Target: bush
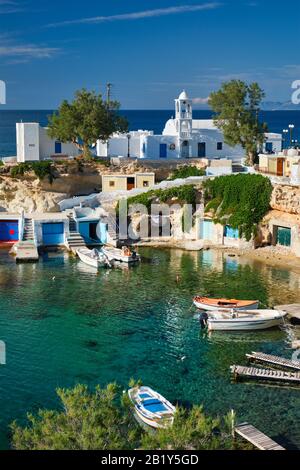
(103, 420)
(1, 162)
(239, 200)
(187, 171)
(41, 170)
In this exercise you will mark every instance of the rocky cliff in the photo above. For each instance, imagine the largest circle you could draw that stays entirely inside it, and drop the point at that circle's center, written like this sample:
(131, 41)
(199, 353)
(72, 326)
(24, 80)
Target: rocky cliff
(286, 199)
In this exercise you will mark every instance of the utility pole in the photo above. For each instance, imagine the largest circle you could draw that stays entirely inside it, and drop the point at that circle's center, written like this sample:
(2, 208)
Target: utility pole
(108, 92)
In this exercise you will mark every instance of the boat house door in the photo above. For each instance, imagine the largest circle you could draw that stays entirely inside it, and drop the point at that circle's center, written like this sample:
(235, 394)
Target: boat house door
(130, 183)
(283, 236)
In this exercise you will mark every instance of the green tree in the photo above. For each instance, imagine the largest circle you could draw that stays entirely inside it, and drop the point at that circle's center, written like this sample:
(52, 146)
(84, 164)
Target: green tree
(192, 430)
(237, 107)
(85, 120)
(88, 421)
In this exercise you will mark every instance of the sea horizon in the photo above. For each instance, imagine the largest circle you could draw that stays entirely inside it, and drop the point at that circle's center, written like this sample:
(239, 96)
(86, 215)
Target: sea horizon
(146, 119)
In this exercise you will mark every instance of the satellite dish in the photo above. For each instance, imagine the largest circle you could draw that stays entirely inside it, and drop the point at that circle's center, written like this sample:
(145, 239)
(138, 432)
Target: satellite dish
(2, 92)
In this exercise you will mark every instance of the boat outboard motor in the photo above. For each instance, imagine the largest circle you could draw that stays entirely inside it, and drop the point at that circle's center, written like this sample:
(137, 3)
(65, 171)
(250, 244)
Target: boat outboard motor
(203, 319)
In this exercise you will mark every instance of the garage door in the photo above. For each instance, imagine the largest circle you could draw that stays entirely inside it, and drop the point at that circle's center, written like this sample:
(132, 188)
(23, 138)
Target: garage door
(53, 234)
(284, 236)
(206, 230)
(9, 230)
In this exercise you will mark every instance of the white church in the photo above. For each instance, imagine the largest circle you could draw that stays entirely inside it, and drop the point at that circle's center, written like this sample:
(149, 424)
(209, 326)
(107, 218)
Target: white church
(182, 137)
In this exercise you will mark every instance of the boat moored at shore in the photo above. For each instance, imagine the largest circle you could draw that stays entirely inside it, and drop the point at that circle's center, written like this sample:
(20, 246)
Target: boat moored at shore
(245, 320)
(209, 304)
(93, 258)
(124, 255)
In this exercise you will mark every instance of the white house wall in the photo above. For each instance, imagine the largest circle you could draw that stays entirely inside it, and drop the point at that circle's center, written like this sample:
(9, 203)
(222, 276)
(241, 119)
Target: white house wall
(27, 142)
(47, 146)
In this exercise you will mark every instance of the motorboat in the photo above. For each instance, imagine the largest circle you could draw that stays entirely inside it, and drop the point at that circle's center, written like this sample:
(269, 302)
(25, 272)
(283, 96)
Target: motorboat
(93, 257)
(235, 320)
(123, 255)
(209, 304)
(151, 407)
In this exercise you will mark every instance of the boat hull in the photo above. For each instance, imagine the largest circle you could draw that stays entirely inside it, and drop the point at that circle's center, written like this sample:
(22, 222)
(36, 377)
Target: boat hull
(116, 255)
(85, 258)
(155, 419)
(231, 325)
(213, 308)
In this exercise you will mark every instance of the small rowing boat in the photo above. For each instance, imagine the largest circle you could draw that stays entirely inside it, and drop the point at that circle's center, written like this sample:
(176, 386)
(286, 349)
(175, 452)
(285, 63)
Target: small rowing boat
(151, 407)
(245, 320)
(124, 255)
(206, 303)
(92, 257)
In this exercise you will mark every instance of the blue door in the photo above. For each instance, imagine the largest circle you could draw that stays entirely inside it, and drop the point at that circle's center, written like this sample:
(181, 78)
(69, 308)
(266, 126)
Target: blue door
(163, 151)
(284, 236)
(206, 230)
(231, 232)
(53, 234)
(9, 230)
(57, 147)
(201, 149)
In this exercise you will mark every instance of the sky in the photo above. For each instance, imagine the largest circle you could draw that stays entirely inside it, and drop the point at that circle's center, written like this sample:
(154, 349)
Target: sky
(148, 49)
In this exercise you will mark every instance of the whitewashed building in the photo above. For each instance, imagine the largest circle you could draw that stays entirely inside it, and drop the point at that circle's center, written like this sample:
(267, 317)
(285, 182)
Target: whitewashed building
(182, 137)
(34, 144)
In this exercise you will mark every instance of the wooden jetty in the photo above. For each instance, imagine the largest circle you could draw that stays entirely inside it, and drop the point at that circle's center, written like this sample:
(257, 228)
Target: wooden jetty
(265, 374)
(256, 437)
(275, 361)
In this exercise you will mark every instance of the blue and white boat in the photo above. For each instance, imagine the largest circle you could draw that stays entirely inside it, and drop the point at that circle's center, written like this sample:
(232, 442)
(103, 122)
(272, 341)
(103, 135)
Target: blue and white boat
(151, 407)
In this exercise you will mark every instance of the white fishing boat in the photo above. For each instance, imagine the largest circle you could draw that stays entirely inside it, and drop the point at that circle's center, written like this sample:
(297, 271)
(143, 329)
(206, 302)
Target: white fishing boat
(245, 320)
(209, 304)
(151, 407)
(92, 257)
(124, 255)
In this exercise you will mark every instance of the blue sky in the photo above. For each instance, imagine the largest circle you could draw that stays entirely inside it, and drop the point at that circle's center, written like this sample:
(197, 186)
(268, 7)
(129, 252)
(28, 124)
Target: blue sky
(148, 49)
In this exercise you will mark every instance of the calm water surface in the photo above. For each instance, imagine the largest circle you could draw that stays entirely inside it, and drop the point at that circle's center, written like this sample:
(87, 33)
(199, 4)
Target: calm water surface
(89, 328)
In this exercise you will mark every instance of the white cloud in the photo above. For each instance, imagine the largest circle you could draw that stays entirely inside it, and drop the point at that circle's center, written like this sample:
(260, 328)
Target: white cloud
(27, 51)
(200, 100)
(9, 6)
(141, 14)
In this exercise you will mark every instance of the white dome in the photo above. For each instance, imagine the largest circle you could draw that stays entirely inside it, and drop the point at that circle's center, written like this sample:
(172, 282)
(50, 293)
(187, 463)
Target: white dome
(183, 95)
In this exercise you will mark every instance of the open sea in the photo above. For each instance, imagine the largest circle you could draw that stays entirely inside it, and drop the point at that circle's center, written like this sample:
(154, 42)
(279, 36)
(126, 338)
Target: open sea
(84, 327)
(140, 119)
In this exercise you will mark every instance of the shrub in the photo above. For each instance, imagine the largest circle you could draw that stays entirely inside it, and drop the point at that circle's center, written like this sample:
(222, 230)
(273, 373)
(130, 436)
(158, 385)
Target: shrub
(103, 420)
(41, 170)
(187, 171)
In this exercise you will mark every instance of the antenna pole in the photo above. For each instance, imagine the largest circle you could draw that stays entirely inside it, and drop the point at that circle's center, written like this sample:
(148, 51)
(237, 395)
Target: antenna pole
(108, 92)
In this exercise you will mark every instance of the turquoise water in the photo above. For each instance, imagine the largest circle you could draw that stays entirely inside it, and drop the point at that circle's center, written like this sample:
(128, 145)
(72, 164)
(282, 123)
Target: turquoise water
(63, 324)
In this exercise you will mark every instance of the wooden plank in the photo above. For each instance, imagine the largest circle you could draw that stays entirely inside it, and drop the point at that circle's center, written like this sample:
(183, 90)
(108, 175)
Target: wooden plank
(274, 360)
(268, 374)
(256, 437)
